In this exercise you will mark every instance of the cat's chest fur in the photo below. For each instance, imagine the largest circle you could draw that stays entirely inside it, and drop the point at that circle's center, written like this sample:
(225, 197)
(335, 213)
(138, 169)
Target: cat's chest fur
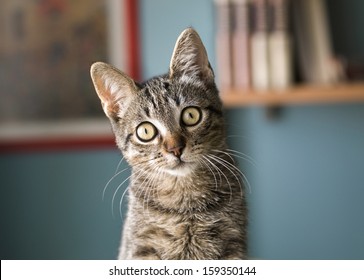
(194, 236)
(188, 219)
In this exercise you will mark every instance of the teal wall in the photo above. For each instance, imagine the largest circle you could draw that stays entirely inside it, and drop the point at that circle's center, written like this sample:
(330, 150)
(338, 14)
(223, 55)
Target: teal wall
(51, 205)
(308, 181)
(163, 21)
(307, 184)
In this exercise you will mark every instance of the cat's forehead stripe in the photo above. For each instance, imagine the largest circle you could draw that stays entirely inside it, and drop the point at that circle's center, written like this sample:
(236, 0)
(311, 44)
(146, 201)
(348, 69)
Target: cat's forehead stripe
(150, 97)
(177, 100)
(159, 97)
(146, 111)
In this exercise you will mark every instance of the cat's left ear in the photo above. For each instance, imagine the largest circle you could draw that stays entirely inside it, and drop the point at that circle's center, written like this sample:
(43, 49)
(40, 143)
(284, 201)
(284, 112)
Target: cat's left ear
(190, 58)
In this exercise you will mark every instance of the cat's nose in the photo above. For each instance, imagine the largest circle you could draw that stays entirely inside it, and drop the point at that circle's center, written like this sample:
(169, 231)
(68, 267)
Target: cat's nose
(175, 145)
(177, 151)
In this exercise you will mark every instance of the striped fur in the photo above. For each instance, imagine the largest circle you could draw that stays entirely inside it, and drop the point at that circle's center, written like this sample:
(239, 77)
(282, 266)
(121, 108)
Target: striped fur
(186, 196)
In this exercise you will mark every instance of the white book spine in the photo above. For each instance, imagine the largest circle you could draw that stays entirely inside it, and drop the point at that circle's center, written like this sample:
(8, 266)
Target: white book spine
(280, 45)
(260, 61)
(259, 47)
(241, 45)
(280, 60)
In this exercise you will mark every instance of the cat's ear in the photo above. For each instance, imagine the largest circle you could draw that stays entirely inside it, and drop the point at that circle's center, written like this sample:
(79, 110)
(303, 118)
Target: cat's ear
(190, 58)
(114, 88)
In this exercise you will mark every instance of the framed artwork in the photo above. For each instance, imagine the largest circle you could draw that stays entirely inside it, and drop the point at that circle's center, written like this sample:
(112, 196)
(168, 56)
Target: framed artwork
(46, 50)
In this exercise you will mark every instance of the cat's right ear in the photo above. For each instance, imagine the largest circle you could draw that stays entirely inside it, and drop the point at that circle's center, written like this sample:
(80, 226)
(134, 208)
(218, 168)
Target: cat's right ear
(189, 58)
(114, 88)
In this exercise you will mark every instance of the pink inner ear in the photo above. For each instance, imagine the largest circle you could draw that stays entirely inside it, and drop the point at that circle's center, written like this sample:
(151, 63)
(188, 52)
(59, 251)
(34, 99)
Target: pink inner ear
(110, 105)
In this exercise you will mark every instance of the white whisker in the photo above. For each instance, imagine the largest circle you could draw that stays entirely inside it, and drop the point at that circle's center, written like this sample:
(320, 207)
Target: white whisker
(119, 164)
(112, 178)
(228, 166)
(137, 174)
(237, 170)
(213, 165)
(147, 186)
(242, 156)
(212, 172)
(228, 154)
(153, 190)
(121, 201)
(116, 191)
(207, 157)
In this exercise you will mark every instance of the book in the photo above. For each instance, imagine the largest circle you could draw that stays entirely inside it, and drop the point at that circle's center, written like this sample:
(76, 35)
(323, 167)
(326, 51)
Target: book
(314, 41)
(241, 44)
(259, 46)
(280, 57)
(224, 44)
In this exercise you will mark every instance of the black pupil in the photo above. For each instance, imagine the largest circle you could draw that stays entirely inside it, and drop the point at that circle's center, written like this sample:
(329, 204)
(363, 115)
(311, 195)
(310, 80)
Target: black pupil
(191, 115)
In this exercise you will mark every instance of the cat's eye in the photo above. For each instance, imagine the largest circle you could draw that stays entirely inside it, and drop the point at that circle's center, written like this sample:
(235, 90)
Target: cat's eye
(191, 116)
(146, 132)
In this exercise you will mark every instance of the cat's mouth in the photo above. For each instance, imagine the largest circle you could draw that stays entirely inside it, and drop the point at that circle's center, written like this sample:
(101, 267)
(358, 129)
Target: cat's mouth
(181, 168)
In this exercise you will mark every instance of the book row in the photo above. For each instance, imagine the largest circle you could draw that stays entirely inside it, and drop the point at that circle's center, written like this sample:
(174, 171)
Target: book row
(258, 43)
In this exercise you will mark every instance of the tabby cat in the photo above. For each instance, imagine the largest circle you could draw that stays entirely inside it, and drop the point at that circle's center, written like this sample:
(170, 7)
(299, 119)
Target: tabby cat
(186, 196)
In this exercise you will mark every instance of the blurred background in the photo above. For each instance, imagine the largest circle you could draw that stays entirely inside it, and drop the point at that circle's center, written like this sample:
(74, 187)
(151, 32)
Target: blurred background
(57, 153)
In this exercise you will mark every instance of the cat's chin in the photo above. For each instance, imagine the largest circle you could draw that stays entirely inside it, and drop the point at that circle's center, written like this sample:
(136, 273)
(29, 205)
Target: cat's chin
(181, 170)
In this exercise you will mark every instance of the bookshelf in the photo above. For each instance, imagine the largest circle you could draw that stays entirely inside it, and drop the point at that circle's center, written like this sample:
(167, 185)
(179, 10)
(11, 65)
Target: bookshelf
(297, 95)
(303, 29)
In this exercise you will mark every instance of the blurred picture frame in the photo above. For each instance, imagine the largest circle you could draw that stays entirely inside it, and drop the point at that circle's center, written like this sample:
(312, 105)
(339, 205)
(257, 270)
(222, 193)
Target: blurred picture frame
(47, 48)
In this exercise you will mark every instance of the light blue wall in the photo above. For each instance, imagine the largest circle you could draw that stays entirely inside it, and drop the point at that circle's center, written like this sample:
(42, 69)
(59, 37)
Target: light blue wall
(308, 182)
(51, 205)
(162, 22)
(307, 198)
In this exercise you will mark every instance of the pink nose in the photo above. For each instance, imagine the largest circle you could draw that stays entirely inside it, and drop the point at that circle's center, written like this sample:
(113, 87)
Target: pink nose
(175, 145)
(177, 151)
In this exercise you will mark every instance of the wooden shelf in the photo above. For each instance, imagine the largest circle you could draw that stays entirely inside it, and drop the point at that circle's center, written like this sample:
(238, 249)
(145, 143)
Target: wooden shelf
(299, 95)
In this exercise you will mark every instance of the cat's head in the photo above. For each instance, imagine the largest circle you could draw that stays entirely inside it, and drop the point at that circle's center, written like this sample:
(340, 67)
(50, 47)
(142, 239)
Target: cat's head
(169, 122)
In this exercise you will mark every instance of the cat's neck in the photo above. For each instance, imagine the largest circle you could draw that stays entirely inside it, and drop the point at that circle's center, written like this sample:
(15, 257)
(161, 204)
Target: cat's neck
(198, 191)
